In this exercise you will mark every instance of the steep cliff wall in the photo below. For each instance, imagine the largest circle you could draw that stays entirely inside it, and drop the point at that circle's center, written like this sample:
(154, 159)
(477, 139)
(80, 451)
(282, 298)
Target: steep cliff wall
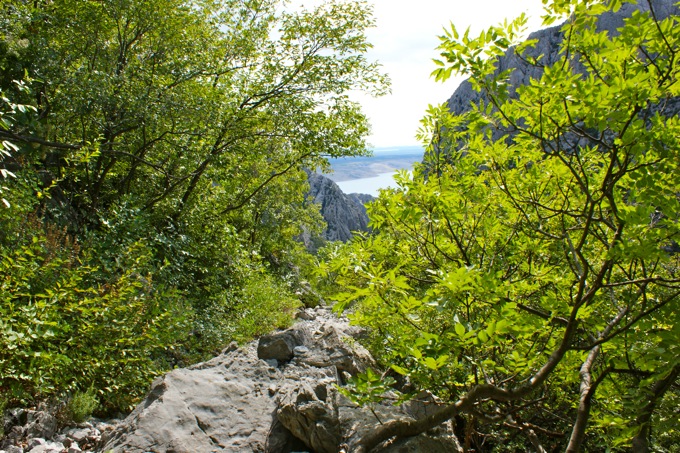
(343, 213)
(548, 45)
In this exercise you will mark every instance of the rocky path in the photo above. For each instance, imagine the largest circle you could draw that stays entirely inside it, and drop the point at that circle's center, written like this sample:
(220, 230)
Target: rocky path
(278, 395)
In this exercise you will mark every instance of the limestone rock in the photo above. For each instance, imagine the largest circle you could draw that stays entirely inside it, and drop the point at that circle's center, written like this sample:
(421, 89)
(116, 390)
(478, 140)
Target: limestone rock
(343, 213)
(308, 412)
(238, 402)
(548, 45)
(279, 346)
(38, 445)
(40, 424)
(29, 426)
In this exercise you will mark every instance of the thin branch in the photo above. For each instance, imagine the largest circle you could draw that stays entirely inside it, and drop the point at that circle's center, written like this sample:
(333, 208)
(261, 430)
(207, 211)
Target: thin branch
(39, 141)
(247, 198)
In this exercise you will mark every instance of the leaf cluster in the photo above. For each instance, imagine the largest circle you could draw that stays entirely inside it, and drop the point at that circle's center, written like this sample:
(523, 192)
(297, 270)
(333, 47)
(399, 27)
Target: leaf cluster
(527, 272)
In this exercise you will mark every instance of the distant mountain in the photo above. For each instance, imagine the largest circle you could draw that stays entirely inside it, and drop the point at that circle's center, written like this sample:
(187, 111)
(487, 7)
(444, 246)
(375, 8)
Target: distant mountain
(343, 213)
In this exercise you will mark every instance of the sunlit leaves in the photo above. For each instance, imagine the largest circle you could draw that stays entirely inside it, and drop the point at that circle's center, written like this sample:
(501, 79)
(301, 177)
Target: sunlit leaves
(471, 56)
(51, 318)
(541, 228)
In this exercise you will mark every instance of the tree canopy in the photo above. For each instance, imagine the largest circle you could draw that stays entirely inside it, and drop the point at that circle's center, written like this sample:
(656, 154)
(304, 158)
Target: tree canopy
(153, 156)
(527, 272)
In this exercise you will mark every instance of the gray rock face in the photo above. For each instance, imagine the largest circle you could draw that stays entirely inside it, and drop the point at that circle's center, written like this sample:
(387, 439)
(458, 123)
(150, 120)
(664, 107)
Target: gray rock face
(238, 402)
(548, 45)
(31, 426)
(279, 346)
(40, 424)
(343, 213)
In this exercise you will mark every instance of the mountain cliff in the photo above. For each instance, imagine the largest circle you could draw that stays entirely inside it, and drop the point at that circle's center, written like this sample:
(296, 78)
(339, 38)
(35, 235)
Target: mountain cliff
(343, 213)
(548, 45)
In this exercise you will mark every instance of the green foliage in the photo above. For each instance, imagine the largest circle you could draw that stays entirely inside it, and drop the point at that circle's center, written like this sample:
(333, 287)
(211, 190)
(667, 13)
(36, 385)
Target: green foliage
(188, 125)
(533, 257)
(181, 98)
(10, 114)
(3, 406)
(159, 149)
(66, 324)
(263, 303)
(367, 389)
(81, 405)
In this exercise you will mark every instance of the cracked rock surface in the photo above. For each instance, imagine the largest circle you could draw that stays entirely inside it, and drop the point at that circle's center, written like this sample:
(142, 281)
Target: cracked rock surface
(275, 395)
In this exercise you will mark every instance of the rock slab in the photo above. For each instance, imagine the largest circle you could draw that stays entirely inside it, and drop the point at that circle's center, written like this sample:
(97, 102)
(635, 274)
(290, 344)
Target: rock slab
(239, 402)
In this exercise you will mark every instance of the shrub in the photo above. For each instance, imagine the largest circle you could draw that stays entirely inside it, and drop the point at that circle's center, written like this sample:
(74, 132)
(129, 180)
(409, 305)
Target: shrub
(81, 406)
(65, 324)
(263, 303)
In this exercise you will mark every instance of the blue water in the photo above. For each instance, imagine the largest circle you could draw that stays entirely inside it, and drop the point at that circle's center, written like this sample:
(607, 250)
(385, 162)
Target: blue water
(370, 186)
(369, 174)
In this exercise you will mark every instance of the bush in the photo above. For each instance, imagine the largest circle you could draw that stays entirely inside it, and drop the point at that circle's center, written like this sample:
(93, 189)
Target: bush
(265, 305)
(262, 304)
(82, 405)
(65, 324)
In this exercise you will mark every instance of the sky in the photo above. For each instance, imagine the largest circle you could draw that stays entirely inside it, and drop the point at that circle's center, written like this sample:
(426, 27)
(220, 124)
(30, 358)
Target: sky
(404, 40)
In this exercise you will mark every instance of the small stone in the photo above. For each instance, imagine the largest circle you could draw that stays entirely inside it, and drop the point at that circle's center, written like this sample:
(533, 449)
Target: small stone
(36, 441)
(300, 350)
(74, 449)
(14, 449)
(233, 346)
(306, 315)
(18, 416)
(79, 434)
(48, 447)
(61, 438)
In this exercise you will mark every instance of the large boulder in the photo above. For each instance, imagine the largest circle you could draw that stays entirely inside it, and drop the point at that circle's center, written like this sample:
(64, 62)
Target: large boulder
(284, 399)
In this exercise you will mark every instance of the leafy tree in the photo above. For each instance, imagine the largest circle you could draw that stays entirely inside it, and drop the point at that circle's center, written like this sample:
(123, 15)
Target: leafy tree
(168, 142)
(527, 272)
(174, 97)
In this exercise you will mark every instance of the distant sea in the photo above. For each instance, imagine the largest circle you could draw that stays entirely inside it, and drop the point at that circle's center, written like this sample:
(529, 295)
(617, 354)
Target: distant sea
(369, 174)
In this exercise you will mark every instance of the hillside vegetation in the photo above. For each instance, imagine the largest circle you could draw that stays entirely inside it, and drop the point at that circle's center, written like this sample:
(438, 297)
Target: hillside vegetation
(527, 274)
(152, 179)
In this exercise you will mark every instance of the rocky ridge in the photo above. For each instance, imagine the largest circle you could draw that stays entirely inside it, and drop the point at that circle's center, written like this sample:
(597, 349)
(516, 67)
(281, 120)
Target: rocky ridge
(278, 394)
(548, 45)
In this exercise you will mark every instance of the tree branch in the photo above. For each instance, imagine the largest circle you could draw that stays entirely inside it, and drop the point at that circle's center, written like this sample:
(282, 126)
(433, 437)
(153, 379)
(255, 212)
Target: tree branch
(39, 141)
(641, 439)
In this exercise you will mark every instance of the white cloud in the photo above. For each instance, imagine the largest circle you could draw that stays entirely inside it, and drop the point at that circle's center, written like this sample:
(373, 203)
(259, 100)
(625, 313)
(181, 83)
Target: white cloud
(404, 40)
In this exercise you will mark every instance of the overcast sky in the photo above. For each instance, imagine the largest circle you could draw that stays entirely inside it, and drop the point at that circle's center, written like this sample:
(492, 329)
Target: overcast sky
(404, 42)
